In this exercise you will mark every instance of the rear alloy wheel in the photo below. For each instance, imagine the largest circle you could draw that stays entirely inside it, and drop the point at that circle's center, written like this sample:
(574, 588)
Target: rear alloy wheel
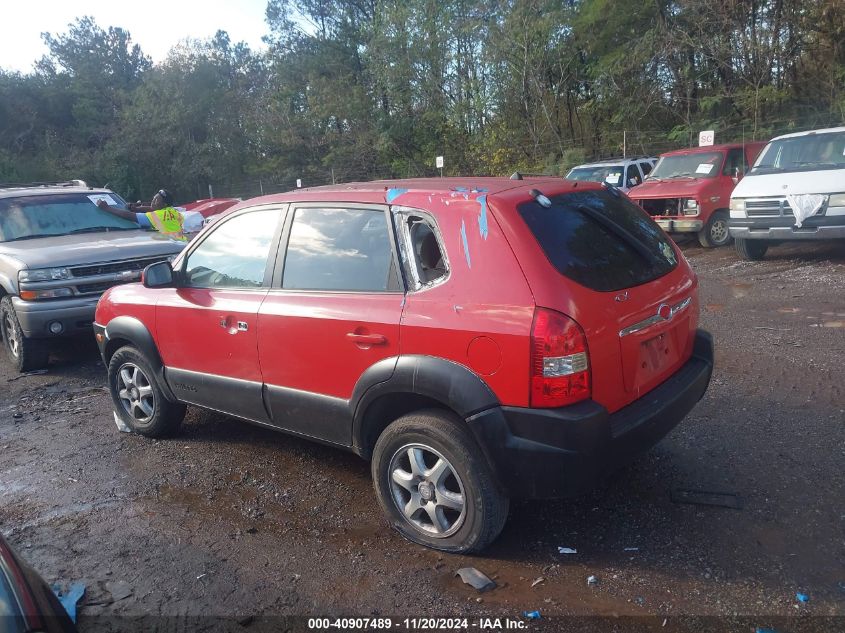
(715, 231)
(751, 250)
(427, 490)
(26, 354)
(138, 399)
(434, 484)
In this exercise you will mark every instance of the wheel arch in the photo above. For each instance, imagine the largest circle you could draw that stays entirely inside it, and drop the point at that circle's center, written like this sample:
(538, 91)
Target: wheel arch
(398, 386)
(127, 330)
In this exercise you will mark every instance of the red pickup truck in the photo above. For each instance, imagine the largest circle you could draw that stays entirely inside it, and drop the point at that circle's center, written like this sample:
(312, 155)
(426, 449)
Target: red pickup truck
(689, 190)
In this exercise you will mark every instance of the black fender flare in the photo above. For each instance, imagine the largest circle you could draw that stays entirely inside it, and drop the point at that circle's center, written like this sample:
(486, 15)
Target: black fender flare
(134, 331)
(450, 383)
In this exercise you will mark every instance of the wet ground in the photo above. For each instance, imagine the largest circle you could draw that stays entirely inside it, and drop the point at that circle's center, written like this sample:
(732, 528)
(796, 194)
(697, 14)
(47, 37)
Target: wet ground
(238, 521)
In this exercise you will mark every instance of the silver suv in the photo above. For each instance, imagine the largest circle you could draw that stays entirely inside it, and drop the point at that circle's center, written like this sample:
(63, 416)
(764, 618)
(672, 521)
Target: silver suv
(622, 173)
(58, 253)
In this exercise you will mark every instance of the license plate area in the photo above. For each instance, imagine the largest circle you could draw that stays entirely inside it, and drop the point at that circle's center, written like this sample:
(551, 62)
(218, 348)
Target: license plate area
(651, 360)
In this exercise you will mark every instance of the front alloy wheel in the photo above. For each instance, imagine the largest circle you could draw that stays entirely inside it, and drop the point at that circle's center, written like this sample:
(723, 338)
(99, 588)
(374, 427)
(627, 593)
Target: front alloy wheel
(715, 231)
(136, 393)
(427, 490)
(137, 396)
(12, 340)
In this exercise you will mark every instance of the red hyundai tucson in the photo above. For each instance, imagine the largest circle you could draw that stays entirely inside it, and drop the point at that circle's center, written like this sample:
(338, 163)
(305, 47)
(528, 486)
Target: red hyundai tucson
(476, 339)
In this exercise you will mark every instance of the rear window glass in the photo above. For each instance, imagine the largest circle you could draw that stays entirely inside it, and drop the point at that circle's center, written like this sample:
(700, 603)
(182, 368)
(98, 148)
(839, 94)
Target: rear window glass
(600, 239)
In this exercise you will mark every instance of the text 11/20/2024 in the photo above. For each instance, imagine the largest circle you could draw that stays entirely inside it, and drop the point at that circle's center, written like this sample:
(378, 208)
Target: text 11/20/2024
(417, 624)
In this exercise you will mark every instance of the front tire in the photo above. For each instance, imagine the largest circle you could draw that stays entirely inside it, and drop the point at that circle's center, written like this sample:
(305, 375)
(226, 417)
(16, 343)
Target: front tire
(751, 250)
(434, 484)
(715, 232)
(26, 354)
(138, 398)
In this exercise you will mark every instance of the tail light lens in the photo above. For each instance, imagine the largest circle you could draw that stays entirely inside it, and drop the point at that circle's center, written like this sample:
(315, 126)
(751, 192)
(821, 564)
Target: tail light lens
(560, 363)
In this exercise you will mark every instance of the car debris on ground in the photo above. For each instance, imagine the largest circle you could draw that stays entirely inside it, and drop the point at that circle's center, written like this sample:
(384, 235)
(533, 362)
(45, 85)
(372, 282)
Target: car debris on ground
(476, 579)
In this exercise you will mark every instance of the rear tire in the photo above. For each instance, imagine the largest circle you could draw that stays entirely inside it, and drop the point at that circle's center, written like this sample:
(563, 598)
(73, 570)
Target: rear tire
(26, 354)
(446, 498)
(138, 398)
(751, 250)
(715, 232)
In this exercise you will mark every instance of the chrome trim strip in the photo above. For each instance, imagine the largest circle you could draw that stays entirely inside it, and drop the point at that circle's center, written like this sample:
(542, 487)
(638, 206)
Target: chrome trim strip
(654, 320)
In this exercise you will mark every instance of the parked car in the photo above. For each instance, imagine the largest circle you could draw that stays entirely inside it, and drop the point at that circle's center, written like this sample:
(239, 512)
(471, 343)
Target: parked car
(795, 191)
(58, 253)
(27, 605)
(622, 173)
(689, 190)
(476, 339)
(209, 207)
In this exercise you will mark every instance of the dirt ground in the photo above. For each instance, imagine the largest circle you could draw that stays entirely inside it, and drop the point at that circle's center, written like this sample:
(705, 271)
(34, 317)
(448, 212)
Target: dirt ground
(234, 520)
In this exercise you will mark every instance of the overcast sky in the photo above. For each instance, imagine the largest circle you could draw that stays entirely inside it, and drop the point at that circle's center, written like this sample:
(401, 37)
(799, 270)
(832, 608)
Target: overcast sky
(154, 24)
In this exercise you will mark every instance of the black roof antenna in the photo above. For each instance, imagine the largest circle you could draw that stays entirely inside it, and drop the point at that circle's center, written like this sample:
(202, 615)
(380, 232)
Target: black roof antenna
(516, 176)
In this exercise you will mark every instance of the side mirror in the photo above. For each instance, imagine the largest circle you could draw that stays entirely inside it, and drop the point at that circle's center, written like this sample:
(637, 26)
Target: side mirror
(158, 275)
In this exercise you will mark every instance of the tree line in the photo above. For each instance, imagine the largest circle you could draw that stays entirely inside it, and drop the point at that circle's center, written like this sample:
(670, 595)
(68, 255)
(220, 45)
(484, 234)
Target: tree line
(360, 89)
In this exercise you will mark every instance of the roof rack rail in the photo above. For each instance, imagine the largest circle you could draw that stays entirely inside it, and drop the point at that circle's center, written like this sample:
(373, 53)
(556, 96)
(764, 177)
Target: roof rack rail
(24, 185)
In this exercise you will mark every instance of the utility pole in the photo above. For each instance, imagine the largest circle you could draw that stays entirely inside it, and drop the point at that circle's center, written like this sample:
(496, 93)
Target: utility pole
(624, 144)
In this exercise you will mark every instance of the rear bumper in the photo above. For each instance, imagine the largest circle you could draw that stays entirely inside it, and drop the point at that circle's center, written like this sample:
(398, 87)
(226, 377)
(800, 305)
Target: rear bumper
(679, 226)
(548, 453)
(783, 228)
(35, 317)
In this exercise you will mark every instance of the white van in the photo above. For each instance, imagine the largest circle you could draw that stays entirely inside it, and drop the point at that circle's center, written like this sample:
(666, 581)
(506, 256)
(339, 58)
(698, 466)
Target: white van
(795, 191)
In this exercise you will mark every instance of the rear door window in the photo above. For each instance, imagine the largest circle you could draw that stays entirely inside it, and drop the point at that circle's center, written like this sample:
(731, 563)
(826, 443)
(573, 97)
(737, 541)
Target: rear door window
(341, 250)
(600, 239)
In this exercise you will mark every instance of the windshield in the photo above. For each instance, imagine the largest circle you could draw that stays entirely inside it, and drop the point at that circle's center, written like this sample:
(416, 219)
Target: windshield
(28, 217)
(697, 165)
(803, 153)
(611, 174)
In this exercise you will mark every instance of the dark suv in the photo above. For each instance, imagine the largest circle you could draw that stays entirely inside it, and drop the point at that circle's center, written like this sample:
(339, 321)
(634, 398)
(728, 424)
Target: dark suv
(476, 339)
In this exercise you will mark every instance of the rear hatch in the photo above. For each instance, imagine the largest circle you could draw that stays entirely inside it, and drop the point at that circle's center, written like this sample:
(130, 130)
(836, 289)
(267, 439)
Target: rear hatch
(623, 280)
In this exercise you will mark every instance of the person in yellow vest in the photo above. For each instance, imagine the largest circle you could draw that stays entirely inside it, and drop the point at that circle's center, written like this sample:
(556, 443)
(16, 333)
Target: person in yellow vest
(160, 215)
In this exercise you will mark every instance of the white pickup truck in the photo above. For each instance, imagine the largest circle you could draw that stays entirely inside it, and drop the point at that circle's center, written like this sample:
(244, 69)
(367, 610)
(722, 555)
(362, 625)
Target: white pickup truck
(795, 191)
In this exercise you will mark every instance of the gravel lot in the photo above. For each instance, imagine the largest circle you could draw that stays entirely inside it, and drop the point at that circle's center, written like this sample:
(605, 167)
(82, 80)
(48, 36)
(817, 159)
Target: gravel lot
(238, 521)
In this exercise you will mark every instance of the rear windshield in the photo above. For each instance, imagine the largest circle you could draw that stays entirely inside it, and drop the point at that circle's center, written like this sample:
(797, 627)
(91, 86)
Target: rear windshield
(28, 217)
(811, 152)
(600, 239)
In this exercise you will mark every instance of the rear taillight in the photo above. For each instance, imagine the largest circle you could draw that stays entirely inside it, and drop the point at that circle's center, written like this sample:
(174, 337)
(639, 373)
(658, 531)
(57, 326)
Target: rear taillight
(560, 363)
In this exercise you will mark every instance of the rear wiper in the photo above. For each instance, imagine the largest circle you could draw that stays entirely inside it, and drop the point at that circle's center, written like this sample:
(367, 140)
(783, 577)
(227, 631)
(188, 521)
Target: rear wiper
(621, 233)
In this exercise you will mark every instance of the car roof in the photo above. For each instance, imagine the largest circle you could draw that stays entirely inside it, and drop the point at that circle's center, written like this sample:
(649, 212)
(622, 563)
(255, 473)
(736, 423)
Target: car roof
(711, 148)
(15, 192)
(384, 191)
(614, 161)
(828, 130)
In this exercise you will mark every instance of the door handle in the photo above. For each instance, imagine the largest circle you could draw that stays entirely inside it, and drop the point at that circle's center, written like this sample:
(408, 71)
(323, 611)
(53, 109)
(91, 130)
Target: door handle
(366, 339)
(233, 327)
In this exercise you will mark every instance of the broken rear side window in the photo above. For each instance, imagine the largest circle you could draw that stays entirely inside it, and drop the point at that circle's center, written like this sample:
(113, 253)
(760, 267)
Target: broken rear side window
(600, 239)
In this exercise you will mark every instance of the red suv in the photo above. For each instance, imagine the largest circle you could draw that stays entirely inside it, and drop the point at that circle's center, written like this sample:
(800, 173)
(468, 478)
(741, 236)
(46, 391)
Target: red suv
(476, 339)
